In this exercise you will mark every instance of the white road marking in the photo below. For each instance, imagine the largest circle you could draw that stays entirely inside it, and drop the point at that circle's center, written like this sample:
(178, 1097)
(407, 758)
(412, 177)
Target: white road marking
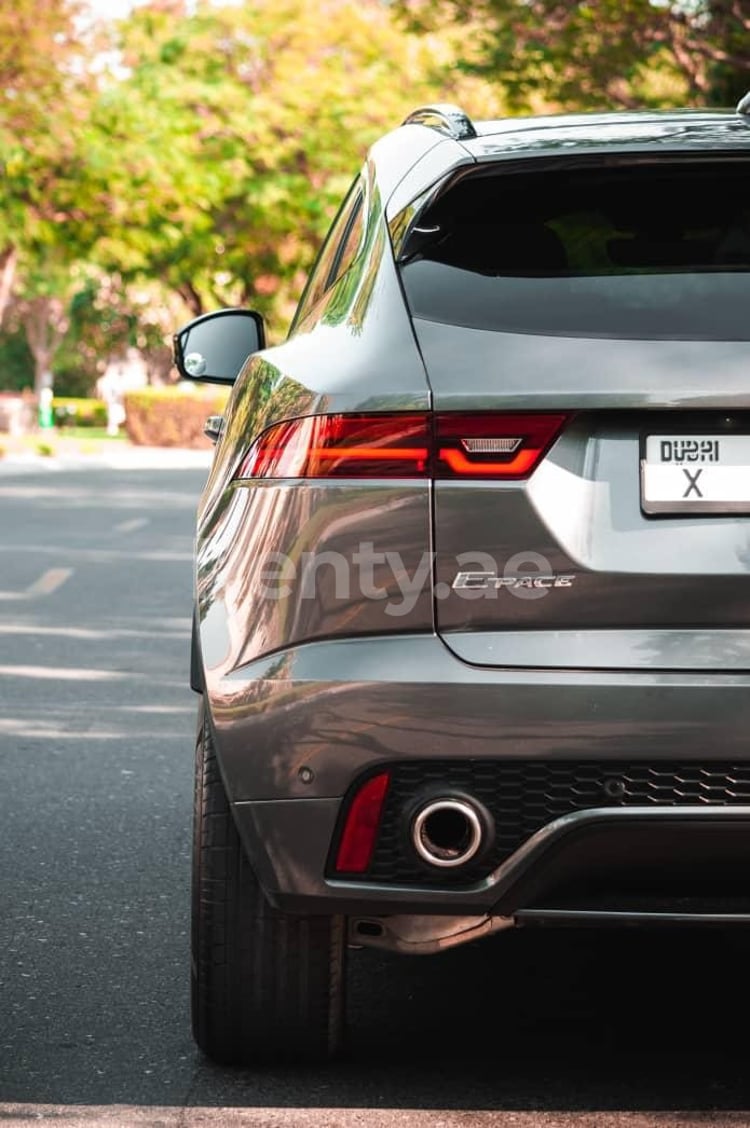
(62, 673)
(132, 525)
(47, 583)
(88, 634)
(98, 555)
(43, 730)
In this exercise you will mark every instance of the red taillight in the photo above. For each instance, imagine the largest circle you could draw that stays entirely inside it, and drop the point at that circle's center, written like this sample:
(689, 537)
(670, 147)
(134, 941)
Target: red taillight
(341, 446)
(402, 445)
(493, 445)
(361, 826)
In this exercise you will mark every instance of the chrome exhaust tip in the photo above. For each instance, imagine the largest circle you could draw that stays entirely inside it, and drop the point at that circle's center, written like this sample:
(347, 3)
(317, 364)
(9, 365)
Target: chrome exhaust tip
(448, 832)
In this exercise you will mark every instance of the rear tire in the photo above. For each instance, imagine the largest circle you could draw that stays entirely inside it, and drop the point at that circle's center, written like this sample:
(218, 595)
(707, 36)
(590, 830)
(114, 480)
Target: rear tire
(266, 985)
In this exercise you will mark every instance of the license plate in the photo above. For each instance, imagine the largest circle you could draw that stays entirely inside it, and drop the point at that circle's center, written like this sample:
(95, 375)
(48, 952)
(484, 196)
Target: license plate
(696, 474)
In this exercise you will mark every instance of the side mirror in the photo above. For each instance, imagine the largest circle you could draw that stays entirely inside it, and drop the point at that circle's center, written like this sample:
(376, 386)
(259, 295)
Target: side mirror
(214, 347)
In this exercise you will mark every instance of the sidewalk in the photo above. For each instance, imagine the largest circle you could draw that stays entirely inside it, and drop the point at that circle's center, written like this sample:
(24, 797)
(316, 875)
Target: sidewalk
(115, 454)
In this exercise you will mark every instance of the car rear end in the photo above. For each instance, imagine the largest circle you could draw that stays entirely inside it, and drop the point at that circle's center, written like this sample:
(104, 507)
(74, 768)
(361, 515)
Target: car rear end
(543, 713)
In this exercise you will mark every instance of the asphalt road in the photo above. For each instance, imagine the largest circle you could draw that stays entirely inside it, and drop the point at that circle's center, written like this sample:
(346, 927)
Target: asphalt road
(96, 748)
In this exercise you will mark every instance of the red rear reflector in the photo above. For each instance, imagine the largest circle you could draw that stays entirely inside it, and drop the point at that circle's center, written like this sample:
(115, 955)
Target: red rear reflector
(341, 446)
(361, 826)
(471, 446)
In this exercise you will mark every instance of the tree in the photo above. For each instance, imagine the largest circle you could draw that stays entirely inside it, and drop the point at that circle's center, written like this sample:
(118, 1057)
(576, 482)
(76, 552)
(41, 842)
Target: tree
(601, 53)
(196, 156)
(226, 138)
(39, 48)
(48, 214)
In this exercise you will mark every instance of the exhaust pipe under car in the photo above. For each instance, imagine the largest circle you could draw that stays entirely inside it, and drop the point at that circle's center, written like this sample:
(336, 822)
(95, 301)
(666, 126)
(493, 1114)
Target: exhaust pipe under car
(449, 831)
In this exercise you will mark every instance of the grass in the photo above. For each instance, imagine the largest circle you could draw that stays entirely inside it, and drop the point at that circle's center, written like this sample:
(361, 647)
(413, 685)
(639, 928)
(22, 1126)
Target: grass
(83, 433)
(51, 441)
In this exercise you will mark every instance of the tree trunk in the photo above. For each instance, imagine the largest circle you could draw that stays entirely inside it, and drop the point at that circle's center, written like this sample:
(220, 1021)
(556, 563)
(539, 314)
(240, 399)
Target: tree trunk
(43, 377)
(45, 324)
(191, 297)
(8, 260)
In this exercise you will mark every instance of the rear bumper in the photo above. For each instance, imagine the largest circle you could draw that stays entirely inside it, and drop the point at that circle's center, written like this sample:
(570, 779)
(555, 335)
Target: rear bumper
(295, 730)
(687, 863)
(340, 708)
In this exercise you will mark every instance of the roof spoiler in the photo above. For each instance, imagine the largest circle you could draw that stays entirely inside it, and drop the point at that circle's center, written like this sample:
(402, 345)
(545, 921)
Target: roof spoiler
(445, 118)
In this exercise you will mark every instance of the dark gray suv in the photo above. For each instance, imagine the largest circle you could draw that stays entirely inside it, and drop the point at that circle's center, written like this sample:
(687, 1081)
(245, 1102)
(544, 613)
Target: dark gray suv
(472, 622)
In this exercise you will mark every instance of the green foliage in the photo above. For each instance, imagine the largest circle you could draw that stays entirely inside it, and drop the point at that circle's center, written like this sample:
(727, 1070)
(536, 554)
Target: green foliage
(16, 362)
(196, 157)
(197, 152)
(70, 411)
(90, 438)
(600, 53)
(73, 378)
(237, 130)
(98, 324)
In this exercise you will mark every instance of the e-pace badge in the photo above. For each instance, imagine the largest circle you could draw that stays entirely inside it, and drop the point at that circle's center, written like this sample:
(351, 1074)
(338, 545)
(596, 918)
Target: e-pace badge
(491, 581)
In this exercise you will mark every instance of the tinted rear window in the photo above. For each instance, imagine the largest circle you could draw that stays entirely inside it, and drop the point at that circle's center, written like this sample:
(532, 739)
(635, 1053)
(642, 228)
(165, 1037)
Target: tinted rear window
(643, 251)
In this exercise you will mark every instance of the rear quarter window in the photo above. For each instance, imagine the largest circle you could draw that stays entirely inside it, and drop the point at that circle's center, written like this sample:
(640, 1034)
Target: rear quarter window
(341, 247)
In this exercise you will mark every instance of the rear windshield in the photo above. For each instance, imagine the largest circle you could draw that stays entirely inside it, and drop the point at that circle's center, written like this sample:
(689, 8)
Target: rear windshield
(641, 251)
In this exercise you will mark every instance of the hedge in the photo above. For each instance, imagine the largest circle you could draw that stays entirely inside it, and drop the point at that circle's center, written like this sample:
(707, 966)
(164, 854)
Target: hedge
(172, 416)
(75, 412)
